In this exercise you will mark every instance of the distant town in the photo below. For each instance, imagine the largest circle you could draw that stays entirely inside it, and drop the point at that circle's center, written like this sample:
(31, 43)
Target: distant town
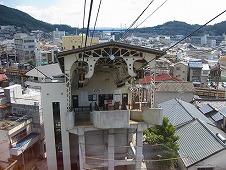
(86, 101)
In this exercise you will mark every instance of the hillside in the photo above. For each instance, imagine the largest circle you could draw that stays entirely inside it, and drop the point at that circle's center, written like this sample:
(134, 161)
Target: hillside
(181, 28)
(10, 16)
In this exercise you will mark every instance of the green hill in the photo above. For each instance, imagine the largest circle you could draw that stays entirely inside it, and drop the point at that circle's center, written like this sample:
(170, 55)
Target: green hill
(181, 28)
(10, 16)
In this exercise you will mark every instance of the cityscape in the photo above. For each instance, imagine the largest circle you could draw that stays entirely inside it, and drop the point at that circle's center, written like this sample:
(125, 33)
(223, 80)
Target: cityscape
(129, 98)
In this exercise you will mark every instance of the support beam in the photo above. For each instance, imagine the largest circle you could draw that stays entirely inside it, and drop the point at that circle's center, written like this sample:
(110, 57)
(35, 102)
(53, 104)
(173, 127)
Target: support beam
(81, 142)
(139, 150)
(111, 149)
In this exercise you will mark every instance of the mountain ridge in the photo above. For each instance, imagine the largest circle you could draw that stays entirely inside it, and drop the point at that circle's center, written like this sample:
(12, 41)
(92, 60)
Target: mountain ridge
(11, 16)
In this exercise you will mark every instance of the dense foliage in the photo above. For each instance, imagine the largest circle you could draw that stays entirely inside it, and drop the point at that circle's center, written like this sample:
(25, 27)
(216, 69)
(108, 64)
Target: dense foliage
(164, 135)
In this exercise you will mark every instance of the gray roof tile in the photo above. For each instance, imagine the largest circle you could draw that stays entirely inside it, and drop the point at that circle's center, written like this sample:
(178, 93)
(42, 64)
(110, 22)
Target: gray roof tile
(198, 141)
(206, 109)
(175, 87)
(180, 112)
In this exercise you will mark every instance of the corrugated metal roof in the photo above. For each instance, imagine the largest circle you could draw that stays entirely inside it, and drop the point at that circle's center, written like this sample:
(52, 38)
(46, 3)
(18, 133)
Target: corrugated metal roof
(180, 112)
(206, 109)
(198, 141)
(195, 64)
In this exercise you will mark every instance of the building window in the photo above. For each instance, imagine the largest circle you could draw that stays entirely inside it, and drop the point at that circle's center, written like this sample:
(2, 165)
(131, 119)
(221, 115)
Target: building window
(57, 131)
(177, 68)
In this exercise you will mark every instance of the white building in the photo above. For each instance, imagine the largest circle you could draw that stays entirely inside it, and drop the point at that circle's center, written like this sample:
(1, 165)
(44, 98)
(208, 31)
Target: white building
(21, 127)
(96, 118)
(58, 34)
(25, 47)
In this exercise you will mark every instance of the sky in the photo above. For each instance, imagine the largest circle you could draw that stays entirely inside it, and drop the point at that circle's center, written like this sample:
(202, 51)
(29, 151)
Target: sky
(121, 13)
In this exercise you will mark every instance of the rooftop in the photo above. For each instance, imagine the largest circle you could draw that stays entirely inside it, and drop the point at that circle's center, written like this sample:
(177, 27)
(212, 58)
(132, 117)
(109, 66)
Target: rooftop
(199, 140)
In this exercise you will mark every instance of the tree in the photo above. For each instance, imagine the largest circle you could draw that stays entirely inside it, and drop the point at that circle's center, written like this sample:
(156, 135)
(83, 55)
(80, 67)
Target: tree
(164, 135)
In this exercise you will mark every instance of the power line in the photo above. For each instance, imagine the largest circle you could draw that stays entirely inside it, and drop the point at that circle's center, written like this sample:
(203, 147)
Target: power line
(136, 20)
(83, 23)
(95, 21)
(87, 29)
(163, 52)
(151, 14)
(194, 31)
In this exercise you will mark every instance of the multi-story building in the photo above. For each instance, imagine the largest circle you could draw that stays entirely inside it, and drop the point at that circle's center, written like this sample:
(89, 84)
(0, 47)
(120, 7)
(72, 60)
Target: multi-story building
(95, 119)
(180, 71)
(195, 72)
(58, 34)
(73, 42)
(24, 46)
(21, 127)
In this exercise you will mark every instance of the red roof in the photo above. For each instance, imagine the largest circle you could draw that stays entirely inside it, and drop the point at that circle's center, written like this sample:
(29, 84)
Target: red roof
(3, 77)
(164, 77)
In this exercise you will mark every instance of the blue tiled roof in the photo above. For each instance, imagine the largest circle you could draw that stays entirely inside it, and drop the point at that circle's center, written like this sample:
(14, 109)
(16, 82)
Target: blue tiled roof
(222, 111)
(206, 109)
(195, 64)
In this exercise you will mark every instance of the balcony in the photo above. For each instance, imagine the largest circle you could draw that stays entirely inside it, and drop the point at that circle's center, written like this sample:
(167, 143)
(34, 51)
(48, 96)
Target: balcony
(106, 119)
(110, 119)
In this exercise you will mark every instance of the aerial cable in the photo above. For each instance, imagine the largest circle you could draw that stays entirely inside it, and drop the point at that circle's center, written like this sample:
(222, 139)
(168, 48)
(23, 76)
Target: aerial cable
(127, 30)
(87, 29)
(163, 52)
(151, 14)
(83, 23)
(95, 22)
(194, 31)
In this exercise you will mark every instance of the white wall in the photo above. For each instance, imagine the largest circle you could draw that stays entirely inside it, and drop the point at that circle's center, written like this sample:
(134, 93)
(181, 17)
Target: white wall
(55, 92)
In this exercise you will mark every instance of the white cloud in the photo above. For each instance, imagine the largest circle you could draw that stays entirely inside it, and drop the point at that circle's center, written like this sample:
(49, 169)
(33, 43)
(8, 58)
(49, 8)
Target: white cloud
(120, 13)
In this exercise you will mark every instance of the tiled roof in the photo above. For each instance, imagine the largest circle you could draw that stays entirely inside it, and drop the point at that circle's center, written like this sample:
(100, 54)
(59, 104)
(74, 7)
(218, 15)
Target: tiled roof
(195, 64)
(216, 117)
(206, 108)
(180, 112)
(198, 140)
(3, 77)
(222, 111)
(164, 77)
(175, 87)
(49, 70)
(215, 103)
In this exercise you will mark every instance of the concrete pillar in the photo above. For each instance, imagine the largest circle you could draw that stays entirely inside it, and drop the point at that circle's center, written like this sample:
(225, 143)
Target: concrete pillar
(81, 141)
(139, 147)
(111, 149)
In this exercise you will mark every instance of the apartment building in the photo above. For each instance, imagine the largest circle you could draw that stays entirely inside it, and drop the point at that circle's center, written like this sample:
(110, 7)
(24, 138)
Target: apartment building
(180, 71)
(25, 47)
(95, 119)
(73, 42)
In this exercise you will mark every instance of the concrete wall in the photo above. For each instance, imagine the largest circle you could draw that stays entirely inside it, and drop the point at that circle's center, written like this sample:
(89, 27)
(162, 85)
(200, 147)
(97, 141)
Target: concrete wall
(4, 146)
(55, 92)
